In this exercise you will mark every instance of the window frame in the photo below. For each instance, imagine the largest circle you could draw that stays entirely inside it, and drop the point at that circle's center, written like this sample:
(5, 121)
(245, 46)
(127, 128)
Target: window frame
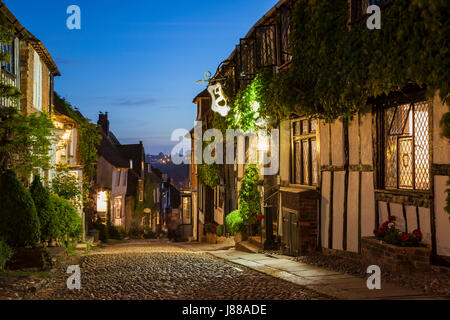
(300, 139)
(10, 67)
(383, 126)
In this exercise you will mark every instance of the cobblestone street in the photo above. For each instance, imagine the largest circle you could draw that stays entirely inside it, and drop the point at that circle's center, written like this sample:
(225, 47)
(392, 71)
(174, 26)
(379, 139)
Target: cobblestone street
(158, 270)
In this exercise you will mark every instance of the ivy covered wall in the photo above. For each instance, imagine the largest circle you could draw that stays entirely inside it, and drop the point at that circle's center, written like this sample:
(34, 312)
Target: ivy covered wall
(336, 69)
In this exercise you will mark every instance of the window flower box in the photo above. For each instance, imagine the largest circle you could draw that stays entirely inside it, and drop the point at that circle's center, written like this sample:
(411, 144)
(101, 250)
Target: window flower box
(394, 258)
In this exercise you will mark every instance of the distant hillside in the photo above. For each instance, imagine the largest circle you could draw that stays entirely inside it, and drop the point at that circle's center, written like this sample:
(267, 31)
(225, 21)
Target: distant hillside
(179, 173)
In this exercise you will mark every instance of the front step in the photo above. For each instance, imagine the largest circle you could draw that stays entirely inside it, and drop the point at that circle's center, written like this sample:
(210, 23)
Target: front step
(246, 246)
(256, 241)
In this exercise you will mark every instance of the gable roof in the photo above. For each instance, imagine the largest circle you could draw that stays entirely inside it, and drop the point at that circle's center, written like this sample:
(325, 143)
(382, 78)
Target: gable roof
(134, 152)
(26, 35)
(112, 154)
(203, 94)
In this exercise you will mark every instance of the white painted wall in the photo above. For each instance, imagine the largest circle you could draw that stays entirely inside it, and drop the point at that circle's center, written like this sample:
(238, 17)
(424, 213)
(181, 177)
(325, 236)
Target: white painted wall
(338, 209)
(352, 212)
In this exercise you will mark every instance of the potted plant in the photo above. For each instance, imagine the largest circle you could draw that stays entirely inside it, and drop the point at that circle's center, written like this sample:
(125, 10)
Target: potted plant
(394, 250)
(389, 233)
(236, 225)
(211, 233)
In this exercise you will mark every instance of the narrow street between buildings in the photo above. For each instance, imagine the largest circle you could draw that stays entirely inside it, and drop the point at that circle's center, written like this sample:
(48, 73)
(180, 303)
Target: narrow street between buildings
(160, 270)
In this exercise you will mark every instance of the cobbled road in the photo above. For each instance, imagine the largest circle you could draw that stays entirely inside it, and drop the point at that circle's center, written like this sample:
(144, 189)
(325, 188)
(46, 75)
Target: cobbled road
(158, 270)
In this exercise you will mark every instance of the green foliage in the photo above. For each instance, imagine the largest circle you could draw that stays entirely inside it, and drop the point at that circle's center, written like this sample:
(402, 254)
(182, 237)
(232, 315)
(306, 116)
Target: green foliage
(117, 233)
(389, 233)
(19, 222)
(89, 137)
(6, 253)
(211, 227)
(250, 105)
(208, 174)
(148, 203)
(7, 90)
(67, 186)
(49, 222)
(335, 70)
(249, 196)
(70, 223)
(235, 222)
(219, 230)
(24, 141)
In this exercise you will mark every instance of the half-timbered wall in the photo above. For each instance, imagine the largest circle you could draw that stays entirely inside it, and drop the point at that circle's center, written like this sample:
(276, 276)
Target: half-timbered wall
(351, 204)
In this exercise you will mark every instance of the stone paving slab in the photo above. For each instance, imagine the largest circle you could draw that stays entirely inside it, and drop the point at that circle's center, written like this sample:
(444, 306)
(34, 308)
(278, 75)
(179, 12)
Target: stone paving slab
(321, 280)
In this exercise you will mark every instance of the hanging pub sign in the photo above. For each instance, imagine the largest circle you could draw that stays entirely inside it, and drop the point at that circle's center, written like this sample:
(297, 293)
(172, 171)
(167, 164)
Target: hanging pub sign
(219, 101)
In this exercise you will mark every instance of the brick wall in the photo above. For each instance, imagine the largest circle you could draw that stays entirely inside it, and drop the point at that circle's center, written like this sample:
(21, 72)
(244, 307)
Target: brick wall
(26, 79)
(393, 258)
(305, 203)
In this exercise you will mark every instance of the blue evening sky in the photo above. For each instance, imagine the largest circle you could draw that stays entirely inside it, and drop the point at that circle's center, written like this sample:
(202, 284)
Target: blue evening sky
(139, 59)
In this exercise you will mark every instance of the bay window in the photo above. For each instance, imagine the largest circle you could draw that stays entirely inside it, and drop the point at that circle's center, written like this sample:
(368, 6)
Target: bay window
(407, 144)
(304, 168)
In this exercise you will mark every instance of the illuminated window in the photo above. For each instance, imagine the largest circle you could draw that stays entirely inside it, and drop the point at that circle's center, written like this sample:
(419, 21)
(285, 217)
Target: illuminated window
(407, 142)
(101, 201)
(304, 169)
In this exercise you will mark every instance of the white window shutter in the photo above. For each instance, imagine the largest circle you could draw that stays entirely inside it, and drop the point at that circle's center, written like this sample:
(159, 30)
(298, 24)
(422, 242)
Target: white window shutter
(37, 82)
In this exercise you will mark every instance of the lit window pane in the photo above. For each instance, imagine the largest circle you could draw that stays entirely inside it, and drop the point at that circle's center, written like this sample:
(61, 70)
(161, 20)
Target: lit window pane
(305, 151)
(399, 122)
(296, 128)
(305, 126)
(298, 163)
(405, 163)
(421, 148)
(314, 162)
(313, 126)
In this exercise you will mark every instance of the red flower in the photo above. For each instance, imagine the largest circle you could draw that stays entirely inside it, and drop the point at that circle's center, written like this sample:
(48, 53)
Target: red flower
(418, 234)
(213, 228)
(392, 218)
(381, 231)
(405, 237)
(258, 218)
(385, 225)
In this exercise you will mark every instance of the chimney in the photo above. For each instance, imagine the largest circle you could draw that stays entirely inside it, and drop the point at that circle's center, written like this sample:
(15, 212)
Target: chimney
(104, 122)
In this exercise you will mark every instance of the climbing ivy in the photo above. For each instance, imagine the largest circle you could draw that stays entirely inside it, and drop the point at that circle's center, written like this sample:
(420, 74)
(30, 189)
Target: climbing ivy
(335, 70)
(250, 107)
(208, 174)
(89, 137)
(249, 196)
